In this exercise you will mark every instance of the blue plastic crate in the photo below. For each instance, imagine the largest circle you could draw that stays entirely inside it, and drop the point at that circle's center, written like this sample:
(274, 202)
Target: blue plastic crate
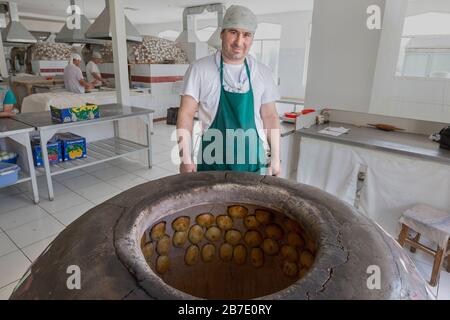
(9, 174)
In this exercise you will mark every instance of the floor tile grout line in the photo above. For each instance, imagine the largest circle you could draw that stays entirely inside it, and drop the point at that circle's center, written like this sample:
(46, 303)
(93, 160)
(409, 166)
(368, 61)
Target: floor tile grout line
(9, 284)
(19, 248)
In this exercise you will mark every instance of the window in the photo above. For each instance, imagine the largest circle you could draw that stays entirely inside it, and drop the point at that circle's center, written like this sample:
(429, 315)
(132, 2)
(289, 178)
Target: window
(425, 46)
(266, 46)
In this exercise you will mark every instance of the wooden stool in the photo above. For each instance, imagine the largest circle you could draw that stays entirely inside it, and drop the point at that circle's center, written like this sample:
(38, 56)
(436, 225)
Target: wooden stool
(434, 225)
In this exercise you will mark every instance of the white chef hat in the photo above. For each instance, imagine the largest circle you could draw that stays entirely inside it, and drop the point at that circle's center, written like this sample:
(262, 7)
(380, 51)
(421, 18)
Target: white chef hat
(239, 17)
(96, 55)
(74, 56)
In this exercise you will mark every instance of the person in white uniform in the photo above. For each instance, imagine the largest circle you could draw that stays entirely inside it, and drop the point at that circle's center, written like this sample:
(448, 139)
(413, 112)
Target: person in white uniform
(73, 77)
(93, 73)
(231, 91)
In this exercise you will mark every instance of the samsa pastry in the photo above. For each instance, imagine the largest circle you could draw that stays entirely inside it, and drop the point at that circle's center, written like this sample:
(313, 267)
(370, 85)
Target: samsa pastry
(295, 240)
(292, 226)
(270, 247)
(213, 234)
(289, 253)
(192, 255)
(290, 269)
(208, 252)
(181, 224)
(179, 239)
(196, 234)
(257, 257)
(302, 272)
(158, 230)
(163, 245)
(263, 216)
(147, 251)
(240, 254)
(250, 222)
(233, 237)
(205, 220)
(226, 252)
(306, 259)
(253, 238)
(224, 222)
(237, 212)
(274, 231)
(162, 264)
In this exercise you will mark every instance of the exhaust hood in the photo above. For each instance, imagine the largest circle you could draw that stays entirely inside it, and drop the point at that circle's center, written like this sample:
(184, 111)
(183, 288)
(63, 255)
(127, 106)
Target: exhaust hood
(101, 28)
(75, 35)
(15, 32)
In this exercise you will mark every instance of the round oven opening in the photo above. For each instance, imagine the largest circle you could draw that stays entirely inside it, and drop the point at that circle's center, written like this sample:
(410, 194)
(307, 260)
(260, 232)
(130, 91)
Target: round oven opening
(228, 251)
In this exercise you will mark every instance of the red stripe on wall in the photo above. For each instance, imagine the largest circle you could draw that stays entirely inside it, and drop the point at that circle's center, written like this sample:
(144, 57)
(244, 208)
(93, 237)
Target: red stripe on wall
(51, 70)
(107, 75)
(162, 79)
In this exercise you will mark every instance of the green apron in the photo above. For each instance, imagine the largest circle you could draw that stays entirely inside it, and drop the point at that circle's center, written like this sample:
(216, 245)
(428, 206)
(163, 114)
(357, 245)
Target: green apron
(235, 111)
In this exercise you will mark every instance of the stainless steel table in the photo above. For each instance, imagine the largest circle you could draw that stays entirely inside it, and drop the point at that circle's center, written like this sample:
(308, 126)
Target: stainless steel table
(20, 133)
(97, 151)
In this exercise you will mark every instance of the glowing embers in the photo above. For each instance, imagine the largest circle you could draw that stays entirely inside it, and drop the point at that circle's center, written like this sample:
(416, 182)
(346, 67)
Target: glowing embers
(228, 251)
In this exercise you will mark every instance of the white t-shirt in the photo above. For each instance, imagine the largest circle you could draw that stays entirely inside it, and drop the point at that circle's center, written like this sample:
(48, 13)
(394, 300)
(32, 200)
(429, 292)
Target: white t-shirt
(72, 77)
(91, 68)
(202, 82)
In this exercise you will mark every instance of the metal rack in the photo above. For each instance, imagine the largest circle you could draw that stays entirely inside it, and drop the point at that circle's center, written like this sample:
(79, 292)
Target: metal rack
(97, 151)
(20, 133)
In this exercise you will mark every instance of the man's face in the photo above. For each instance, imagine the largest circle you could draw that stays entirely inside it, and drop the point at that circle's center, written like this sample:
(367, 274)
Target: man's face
(97, 60)
(236, 44)
(76, 62)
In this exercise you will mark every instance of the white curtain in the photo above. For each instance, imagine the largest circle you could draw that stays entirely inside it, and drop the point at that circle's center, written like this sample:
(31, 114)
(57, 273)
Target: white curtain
(329, 166)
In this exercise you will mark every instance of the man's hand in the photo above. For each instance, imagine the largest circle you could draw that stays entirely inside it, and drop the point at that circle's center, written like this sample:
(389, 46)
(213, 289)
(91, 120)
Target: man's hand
(187, 168)
(275, 168)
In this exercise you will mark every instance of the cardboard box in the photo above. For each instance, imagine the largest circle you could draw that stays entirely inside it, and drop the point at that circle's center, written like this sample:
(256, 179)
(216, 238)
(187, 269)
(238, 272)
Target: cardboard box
(72, 114)
(53, 150)
(73, 146)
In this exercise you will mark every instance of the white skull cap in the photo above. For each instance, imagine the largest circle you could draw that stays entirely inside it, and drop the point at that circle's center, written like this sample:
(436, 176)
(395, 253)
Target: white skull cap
(96, 55)
(75, 56)
(239, 17)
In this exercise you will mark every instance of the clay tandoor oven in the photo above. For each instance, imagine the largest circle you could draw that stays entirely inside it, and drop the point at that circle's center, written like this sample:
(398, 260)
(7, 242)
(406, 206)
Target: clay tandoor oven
(223, 235)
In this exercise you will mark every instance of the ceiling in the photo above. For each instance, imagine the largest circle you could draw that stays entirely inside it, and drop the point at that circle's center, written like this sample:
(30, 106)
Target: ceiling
(159, 11)
(154, 11)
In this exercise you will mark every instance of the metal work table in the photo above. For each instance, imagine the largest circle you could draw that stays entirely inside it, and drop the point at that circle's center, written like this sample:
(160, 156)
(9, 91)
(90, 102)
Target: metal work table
(20, 133)
(97, 151)
(409, 144)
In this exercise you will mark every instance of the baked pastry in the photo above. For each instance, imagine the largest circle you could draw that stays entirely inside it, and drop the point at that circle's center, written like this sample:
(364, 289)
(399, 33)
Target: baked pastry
(263, 216)
(290, 269)
(253, 238)
(237, 212)
(181, 223)
(250, 222)
(233, 237)
(257, 257)
(226, 251)
(208, 252)
(274, 231)
(213, 234)
(147, 251)
(163, 245)
(224, 222)
(295, 240)
(179, 238)
(196, 234)
(192, 255)
(162, 264)
(205, 220)
(292, 226)
(270, 247)
(306, 259)
(240, 254)
(158, 230)
(289, 253)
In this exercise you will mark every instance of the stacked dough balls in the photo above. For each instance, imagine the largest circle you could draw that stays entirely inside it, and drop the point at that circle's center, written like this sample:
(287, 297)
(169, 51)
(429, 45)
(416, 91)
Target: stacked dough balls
(262, 237)
(50, 51)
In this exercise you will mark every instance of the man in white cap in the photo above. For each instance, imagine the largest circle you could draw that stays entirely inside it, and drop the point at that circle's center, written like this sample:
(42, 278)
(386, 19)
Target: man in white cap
(93, 73)
(73, 77)
(233, 93)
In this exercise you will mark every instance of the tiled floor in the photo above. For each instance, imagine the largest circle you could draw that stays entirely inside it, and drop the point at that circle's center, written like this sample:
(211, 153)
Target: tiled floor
(26, 229)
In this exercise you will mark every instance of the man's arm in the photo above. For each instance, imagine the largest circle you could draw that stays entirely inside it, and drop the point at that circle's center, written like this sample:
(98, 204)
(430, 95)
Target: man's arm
(98, 77)
(185, 124)
(86, 84)
(271, 123)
